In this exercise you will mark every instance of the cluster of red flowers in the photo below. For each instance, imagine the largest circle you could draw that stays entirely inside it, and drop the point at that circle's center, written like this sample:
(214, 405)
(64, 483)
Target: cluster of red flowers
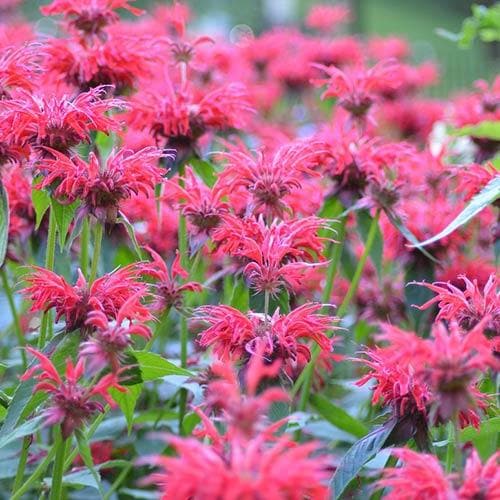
(214, 201)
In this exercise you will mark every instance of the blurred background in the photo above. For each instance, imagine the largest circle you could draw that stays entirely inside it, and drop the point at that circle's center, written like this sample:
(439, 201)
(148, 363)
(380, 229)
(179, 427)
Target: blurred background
(417, 21)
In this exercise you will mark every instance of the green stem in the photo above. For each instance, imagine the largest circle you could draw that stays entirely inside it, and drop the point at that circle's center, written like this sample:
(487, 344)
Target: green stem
(119, 480)
(184, 259)
(58, 470)
(42, 466)
(99, 231)
(84, 246)
(360, 267)
(450, 448)
(17, 323)
(158, 330)
(305, 379)
(21, 466)
(46, 326)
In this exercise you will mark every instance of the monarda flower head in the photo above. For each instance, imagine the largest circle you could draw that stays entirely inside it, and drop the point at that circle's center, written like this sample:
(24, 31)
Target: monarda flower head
(357, 87)
(168, 292)
(106, 347)
(326, 18)
(237, 336)
(18, 69)
(107, 294)
(421, 477)
(268, 178)
(102, 186)
(59, 123)
(89, 16)
(71, 403)
(277, 256)
(245, 459)
(468, 306)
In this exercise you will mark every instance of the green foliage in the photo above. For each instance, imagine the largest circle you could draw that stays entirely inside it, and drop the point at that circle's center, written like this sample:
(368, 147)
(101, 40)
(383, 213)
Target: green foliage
(4, 223)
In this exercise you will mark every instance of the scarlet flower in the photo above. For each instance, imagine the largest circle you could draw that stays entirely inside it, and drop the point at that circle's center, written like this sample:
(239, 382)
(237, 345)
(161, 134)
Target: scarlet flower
(236, 336)
(468, 306)
(108, 293)
(72, 403)
(268, 178)
(421, 477)
(109, 340)
(100, 187)
(59, 123)
(18, 69)
(473, 178)
(480, 480)
(357, 88)
(182, 113)
(278, 256)
(327, 17)
(201, 205)
(169, 293)
(90, 16)
(244, 460)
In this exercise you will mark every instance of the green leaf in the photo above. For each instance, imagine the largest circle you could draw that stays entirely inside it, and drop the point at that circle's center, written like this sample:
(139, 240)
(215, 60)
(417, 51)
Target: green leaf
(153, 366)
(359, 453)
(29, 427)
(205, 170)
(483, 130)
(64, 215)
(364, 220)
(127, 402)
(104, 143)
(86, 454)
(338, 416)
(240, 299)
(489, 194)
(131, 233)
(400, 226)
(416, 295)
(4, 223)
(41, 202)
(485, 438)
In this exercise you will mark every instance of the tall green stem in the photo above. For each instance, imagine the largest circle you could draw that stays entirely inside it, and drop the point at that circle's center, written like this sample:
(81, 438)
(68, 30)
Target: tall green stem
(305, 379)
(58, 470)
(99, 231)
(21, 466)
(84, 246)
(50, 257)
(15, 317)
(183, 251)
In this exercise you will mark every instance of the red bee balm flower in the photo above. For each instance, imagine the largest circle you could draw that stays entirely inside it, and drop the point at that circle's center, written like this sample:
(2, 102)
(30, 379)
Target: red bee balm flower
(47, 290)
(105, 347)
(102, 187)
(89, 16)
(71, 404)
(468, 306)
(235, 335)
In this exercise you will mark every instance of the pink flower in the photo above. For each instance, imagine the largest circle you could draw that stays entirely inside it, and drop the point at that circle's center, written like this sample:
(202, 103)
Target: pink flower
(468, 306)
(327, 17)
(101, 187)
(18, 69)
(473, 178)
(357, 88)
(269, 178)
(47, 290)
(169, 293)
(89, 16)
(105, 347)
(481, 481)
(236, 336)
(421, 477)
(72, 404)
(59, 122)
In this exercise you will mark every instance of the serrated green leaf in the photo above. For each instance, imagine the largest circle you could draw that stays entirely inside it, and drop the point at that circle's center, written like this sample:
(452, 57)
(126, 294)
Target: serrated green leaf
(240, 299)
(359, 453)
(4, 223)
(127, 402)
(153, 366)
(483, 130)
(86, 454)
(41, 202)
(338, 416)
(29, 427)
(489, 194)
(205, 170)
(64, 214)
